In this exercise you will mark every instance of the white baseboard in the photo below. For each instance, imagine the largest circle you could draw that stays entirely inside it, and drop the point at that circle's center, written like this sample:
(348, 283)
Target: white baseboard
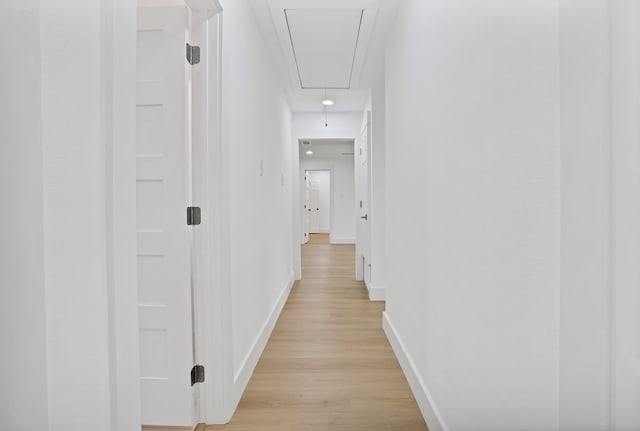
(376, 293)
(241, 378)
(334, 240)
(420, 392)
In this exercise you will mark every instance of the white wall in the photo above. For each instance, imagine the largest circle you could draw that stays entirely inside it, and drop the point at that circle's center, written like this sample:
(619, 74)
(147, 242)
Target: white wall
(23, 375)
(256, 131)
(66, 266)
(473, 209)
(75, 247)
(343, 209)
(342, 125)
(585, 137)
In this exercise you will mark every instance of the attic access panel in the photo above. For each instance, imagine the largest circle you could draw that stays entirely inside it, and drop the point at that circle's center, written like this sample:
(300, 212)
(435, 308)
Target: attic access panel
(324, 44)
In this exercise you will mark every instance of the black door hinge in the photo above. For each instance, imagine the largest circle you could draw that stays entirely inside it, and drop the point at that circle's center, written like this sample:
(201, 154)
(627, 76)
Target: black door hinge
(193, 216)
(193, 54)
(197, 374)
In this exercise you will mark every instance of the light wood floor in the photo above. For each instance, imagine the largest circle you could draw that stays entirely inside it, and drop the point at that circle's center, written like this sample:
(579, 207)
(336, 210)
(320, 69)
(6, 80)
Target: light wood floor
(328, 365)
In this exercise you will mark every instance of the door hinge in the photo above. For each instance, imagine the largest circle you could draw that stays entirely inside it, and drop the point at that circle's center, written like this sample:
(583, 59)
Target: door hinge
(197, 374)
(193, 216)
(360, 204)
(193, 54)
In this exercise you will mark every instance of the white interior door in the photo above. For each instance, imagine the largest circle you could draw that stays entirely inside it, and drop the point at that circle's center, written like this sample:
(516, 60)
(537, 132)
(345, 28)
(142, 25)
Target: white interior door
(363, 198)
(314, 202)
(162, 233)
(320, 200)
(307, 208)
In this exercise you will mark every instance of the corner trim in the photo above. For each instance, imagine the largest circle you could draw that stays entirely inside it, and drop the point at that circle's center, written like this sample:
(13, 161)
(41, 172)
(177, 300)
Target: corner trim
(376, 293)
(241, 378)
(420, 392)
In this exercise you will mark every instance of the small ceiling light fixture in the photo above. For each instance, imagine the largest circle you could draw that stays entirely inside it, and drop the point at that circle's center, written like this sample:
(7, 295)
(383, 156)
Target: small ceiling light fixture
(309, 152)
(327, 102)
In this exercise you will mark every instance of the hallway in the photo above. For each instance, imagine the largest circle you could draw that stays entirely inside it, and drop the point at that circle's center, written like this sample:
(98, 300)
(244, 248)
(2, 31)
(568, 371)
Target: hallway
(328, 364)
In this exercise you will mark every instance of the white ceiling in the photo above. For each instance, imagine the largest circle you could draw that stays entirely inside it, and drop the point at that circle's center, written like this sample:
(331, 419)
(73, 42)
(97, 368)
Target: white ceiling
(324, 44)
(326, 149)
(332, 44)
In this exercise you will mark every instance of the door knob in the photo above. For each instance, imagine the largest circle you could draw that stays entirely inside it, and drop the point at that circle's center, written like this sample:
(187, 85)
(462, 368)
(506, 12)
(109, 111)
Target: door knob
(365, 217)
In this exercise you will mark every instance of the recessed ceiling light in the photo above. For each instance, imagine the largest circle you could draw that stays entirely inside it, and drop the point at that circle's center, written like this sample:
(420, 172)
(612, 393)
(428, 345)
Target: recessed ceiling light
(327, 102)
(309, 152)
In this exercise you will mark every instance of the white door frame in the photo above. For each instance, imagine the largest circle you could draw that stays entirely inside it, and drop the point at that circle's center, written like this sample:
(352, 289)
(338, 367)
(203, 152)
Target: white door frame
(304, 184)
(212, 294)
(297, 229)
(213, 317)
(624, 297)
(360, 256)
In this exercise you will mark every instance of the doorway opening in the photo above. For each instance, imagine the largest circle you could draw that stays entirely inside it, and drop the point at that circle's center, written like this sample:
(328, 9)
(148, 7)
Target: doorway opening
(327, 190)
(317, 204)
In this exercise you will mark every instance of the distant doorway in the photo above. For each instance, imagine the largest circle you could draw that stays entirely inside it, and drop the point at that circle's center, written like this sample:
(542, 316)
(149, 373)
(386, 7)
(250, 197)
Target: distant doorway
(318, 201)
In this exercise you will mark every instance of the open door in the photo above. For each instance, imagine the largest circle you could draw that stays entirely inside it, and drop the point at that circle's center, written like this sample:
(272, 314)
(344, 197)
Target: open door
(307, 208)
(363, 258)
(163, 185)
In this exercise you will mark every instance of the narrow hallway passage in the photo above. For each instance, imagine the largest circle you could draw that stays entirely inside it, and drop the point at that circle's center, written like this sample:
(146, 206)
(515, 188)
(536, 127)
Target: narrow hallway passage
(328, 365)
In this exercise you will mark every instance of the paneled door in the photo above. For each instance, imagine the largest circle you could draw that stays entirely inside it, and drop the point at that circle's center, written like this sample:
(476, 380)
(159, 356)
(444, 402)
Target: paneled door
(162, 197)
(314, 204)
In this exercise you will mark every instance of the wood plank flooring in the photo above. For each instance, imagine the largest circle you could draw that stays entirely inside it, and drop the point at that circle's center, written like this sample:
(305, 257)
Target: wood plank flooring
(328, 365)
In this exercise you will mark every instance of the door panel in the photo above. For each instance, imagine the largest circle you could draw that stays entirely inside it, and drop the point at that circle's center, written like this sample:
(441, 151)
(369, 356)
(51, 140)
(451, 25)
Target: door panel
(314, 201)
(307, 207)
(163, 253)
(321, 200)
(363, 195)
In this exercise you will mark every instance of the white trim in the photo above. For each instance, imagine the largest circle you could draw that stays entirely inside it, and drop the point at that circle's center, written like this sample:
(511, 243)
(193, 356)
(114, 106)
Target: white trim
(334, 240)
(212, 313)
(118, 91)
(418, 387)
(241, 378)
(623, 367)
(376, 293)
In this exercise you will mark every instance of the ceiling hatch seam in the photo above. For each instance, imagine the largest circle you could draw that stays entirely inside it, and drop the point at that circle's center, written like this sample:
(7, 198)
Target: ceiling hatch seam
(295, 56)
(353, 62)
